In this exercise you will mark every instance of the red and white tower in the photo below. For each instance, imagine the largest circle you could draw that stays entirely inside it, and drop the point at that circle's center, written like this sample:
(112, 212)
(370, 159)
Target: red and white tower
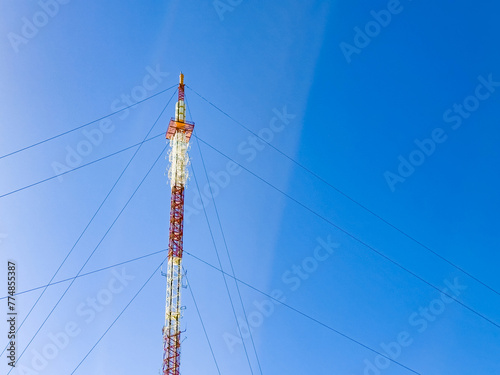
(179, 132)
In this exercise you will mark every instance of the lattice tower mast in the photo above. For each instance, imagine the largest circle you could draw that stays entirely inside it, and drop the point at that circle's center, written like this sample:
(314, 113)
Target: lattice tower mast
(178, 133)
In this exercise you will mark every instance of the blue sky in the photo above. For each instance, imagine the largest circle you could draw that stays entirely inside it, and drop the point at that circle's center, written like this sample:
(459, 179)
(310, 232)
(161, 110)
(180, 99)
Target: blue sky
(392, 104)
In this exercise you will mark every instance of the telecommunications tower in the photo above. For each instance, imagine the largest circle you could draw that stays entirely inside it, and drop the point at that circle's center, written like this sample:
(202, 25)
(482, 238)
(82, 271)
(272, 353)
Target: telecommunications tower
(179, 132)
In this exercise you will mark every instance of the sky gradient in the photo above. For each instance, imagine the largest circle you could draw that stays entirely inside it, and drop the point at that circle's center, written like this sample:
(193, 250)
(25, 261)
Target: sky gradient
(345, 157)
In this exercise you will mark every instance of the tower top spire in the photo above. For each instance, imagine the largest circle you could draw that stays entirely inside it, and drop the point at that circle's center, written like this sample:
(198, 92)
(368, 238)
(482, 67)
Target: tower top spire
(179, 123)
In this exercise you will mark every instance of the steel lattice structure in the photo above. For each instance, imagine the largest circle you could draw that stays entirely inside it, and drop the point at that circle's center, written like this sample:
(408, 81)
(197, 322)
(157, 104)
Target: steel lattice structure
(179, 132)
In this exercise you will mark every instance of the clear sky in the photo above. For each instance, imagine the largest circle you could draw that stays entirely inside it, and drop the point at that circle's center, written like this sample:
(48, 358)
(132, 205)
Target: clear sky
(371, 212)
